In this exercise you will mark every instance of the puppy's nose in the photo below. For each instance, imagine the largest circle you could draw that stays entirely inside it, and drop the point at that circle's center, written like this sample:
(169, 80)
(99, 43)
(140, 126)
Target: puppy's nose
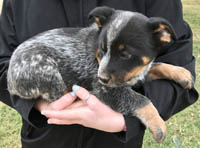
(104, 80)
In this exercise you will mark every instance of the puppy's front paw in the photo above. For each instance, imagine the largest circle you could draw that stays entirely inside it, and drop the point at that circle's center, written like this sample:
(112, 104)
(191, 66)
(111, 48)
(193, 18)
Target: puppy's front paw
(150, 117)
(158, 130)
(184, 78)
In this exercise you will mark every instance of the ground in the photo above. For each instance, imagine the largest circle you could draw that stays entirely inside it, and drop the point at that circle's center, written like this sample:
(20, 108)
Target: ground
(182, 129)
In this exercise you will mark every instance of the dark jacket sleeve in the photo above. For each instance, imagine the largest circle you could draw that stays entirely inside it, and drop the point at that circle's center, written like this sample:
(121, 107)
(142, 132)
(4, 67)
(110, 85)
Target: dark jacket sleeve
(167, 96)
(8, 43)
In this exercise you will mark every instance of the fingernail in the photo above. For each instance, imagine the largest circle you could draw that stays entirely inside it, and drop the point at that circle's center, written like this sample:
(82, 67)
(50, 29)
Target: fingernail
(49, 122)
(75, 87)
(43, 112)
(73, 94)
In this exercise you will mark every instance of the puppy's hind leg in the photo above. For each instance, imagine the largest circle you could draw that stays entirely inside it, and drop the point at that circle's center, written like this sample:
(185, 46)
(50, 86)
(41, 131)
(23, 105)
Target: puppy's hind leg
(35, 76)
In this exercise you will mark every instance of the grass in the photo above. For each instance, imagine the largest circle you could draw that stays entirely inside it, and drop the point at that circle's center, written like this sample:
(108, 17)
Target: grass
(9, 128)
(182, 129)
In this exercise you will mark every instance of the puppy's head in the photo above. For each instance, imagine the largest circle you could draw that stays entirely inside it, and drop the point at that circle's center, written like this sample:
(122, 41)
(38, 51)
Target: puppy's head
(127, 45)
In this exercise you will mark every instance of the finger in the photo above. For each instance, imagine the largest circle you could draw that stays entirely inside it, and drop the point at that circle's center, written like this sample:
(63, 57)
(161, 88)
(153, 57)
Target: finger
(42, 104)
(71, 114)
(63, 102)
(84, 95)
(61, 122)
(76, 104)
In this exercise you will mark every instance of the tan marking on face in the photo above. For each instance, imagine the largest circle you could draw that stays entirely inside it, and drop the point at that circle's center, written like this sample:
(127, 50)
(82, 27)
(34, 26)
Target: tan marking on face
(114, 79)
(97, 20)
(98, 56)
(134, 72)
(145, 60)
(121, 47)
(103, 46)
(117, 78)
(110, 82)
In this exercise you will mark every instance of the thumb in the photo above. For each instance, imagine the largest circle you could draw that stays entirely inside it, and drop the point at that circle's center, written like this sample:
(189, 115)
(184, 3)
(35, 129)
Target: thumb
(85, 95)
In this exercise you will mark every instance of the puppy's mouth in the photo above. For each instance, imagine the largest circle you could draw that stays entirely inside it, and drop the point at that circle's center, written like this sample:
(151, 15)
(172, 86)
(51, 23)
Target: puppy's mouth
(116, 82)
(109, 82)
(121, 81)
(132, 81)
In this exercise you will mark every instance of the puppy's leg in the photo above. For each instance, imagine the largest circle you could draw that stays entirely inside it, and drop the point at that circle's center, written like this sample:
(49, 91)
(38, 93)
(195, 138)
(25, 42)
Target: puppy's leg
(167, 71)
(34, 75)
(152, 120)
(148, 114)
(128, 102)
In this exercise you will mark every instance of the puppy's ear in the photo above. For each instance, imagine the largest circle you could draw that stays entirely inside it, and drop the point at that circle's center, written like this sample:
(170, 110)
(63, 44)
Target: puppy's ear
(101, 14)
(162, 30)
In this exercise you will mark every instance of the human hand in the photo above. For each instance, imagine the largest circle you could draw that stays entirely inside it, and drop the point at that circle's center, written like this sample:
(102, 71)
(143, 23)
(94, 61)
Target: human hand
(87, 112)
(62, 103)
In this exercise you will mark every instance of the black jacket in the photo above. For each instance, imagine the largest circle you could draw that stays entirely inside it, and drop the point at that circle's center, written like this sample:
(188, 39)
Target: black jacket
(21, 19)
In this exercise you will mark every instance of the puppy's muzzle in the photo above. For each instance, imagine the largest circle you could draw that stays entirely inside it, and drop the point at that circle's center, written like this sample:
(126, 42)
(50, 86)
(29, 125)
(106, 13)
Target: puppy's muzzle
(104, 80)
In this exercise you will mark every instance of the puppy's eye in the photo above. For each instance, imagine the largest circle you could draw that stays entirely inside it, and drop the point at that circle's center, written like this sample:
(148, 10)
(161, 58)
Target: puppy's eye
(125, 55)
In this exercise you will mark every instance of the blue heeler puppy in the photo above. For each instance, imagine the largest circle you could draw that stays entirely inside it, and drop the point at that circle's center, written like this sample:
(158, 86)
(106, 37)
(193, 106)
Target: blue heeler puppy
(107, 58)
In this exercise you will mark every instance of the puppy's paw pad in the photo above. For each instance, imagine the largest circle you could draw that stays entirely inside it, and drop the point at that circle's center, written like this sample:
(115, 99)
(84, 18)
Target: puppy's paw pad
(160, 135)
(187, 84)
(158, 132)
(185, 78)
